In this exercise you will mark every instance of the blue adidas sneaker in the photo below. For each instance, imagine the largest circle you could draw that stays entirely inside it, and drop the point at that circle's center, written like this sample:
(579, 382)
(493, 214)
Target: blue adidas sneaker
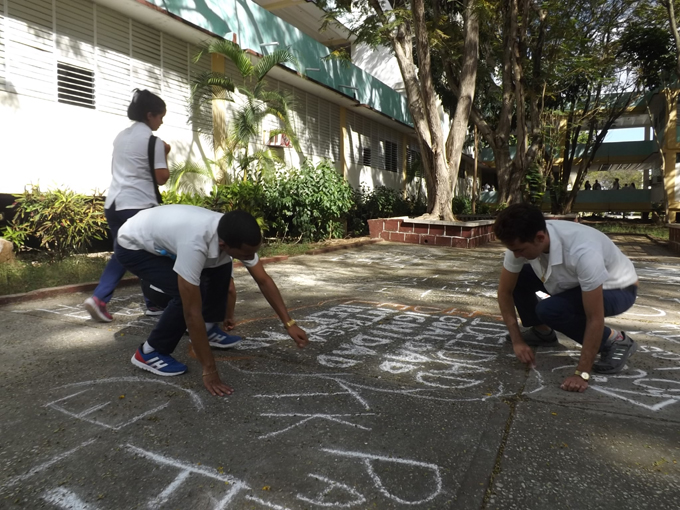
(220, 339)
(157, 363)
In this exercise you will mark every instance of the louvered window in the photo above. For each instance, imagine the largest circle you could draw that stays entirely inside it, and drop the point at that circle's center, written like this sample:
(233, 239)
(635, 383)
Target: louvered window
(75, 85)
(84, 54)
(390, 155)
(366, 156)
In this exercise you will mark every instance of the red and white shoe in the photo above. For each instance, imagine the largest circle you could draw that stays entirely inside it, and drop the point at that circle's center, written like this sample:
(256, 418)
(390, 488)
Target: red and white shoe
(97, 309)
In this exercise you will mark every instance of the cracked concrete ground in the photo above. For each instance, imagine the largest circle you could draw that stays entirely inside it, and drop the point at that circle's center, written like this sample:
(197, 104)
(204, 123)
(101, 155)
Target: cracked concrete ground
(406, 397)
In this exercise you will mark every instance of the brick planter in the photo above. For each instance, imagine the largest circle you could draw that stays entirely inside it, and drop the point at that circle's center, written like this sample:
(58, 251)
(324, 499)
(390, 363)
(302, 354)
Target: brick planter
(454, 234)
(674, 237)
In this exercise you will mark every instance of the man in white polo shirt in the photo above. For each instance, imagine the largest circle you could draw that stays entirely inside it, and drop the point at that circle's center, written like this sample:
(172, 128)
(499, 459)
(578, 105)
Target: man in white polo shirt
(186, 252)
(587, 279)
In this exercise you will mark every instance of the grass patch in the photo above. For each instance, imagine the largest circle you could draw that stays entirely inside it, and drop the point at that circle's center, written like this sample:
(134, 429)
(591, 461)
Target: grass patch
(656, 231)
(277, 248)
(26, 275)
(38, 272)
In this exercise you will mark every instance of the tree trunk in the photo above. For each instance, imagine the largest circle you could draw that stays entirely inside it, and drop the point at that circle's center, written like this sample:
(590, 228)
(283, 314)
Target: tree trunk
(428, 132)
(440, 205)
(501, 154)
(468, 78)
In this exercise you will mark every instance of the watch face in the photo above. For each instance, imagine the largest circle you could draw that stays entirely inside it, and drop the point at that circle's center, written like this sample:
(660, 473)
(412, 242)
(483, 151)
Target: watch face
(585, 376)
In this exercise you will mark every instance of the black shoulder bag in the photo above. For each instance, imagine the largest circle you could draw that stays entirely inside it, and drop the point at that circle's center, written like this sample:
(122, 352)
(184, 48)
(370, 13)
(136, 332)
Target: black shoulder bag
(152, 152)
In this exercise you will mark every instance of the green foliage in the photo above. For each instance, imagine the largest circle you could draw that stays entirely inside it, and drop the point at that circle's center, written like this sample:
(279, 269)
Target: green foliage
(309, 202)
(173, 197)
(647, 43)
(189, 177)
(61, 222)
(534, 185)
(254, 102)
(247, 196)
(463, 206)
(381, 202)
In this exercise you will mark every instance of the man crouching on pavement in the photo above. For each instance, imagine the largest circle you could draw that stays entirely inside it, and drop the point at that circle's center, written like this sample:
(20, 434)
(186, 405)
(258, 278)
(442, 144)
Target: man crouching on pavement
(587, 279)
(186, 252)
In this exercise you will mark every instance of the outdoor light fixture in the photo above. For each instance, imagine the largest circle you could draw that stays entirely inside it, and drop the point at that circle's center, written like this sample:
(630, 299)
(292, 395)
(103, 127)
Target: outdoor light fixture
(312, 69)
(275, 43)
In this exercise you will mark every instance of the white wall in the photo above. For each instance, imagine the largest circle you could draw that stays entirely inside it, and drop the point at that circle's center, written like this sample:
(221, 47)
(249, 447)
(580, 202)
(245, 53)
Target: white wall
(54, 144)
(58, 145)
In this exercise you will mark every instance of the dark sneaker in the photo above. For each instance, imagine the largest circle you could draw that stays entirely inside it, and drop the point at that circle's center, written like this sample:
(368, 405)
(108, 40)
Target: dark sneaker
(154, 311)
(535, 338)
(614, 358)
(157, 363)
(220, 339)
(97, 309)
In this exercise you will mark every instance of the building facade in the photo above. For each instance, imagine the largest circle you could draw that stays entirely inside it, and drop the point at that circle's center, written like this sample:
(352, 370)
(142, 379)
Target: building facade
(68, 69)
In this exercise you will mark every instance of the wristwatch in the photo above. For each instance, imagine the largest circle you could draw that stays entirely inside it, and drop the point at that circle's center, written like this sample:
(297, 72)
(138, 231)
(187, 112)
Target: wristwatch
(583, 375)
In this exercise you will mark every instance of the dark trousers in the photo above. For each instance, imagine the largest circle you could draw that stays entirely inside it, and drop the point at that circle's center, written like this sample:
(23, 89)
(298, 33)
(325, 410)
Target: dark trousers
(564, 311)
(113, 271)
(157, 270)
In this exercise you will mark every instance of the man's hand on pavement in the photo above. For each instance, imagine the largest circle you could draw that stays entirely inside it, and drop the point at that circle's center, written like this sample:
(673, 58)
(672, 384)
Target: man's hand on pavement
(574, 383)
(298, 334)
(215, 386)
(524, 353)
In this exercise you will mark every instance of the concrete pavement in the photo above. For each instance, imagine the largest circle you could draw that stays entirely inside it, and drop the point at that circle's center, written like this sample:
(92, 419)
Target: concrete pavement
(406, 397)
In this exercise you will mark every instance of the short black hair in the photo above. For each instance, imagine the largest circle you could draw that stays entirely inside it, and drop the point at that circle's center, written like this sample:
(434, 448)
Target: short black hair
(144, 102)
(519, 222)
(237, 228)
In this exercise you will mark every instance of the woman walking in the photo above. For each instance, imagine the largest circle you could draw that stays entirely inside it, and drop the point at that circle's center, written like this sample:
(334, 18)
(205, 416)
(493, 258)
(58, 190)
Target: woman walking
(133, 188)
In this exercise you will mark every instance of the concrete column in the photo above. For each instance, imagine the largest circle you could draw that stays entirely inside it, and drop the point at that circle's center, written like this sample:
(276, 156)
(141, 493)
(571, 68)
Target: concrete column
(404, 165)
(219, 117)
(344, 143)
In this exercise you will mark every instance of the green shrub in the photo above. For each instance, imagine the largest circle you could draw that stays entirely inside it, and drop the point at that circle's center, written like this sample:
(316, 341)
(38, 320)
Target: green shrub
(61, 221)
(309, 202)
(461, 205)
(173, 197)
(247, 196)
(381, 202)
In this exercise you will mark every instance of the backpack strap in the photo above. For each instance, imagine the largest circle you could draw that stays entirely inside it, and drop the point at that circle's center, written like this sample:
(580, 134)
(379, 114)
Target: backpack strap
(152, 153)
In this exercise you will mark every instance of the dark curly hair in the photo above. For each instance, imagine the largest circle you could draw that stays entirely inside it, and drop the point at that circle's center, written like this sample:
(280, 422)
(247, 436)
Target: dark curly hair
(519, 222)
(237, 228)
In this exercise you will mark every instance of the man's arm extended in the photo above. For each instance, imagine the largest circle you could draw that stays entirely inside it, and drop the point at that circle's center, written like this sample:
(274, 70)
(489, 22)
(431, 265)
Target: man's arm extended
(593, 305)
(229, 321)
(271, 293)
(193, 316)
(506, 303)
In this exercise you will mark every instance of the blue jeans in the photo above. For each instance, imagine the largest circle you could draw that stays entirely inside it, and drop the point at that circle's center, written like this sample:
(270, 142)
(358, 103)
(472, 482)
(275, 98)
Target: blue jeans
(564, 311)
(114, 271)
(158, 271)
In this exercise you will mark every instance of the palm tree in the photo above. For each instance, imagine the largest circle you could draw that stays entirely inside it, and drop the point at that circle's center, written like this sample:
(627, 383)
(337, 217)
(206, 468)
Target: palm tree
(253, 104)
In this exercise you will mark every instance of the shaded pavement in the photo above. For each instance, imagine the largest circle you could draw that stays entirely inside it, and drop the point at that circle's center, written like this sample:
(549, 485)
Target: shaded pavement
(406, 397)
